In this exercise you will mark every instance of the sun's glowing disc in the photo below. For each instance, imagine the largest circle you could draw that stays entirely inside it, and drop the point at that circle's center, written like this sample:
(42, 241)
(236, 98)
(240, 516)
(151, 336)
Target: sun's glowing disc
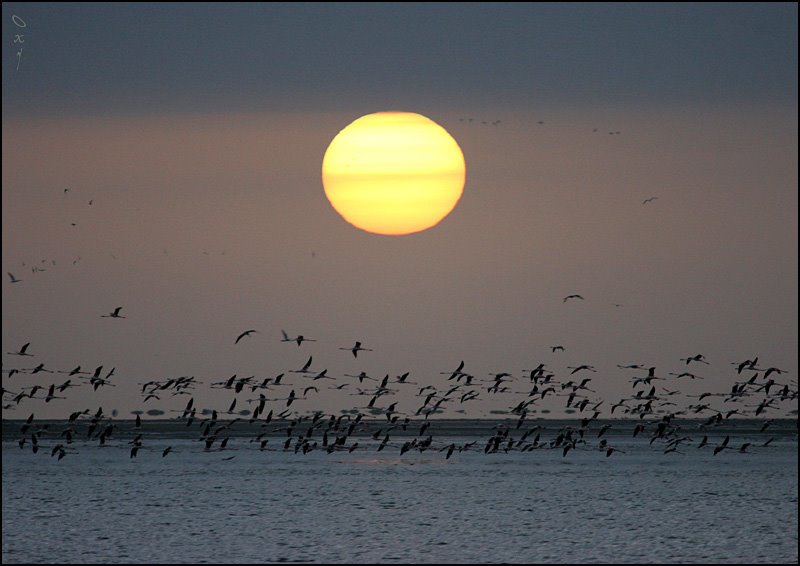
(393, 173)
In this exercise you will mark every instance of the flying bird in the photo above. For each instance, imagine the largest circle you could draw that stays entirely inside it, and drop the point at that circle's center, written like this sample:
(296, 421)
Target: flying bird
(456, 373)
(22, 351)
(722, 446)
(747, 364)
(299, 339)
(303, 369)
(356, 349)
(243, 334)
(773, 370)
(113, 314)
(13, 279)
(572, 297)
(651, 199)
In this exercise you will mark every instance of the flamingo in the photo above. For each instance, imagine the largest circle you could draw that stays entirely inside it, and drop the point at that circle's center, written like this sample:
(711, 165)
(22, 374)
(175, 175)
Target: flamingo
(113, 314)
(22, 351)
(299, 339)
(356, 349)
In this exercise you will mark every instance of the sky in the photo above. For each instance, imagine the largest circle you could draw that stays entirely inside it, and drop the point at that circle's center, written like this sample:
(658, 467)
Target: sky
(191, 140)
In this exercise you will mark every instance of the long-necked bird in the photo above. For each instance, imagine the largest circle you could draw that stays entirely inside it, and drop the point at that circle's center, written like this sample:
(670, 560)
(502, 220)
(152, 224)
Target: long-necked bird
(22, 351)
(113, 314)
(356, 349)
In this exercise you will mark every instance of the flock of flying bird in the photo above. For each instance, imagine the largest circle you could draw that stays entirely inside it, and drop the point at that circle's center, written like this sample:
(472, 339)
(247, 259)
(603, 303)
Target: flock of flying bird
(650, 410)
(652, 406)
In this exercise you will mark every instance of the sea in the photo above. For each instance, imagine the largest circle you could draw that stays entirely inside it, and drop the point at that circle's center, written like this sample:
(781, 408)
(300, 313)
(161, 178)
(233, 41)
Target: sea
(643, 503)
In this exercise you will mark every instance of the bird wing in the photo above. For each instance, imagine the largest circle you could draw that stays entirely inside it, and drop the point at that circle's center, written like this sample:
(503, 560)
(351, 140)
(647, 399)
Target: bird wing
(242, 335)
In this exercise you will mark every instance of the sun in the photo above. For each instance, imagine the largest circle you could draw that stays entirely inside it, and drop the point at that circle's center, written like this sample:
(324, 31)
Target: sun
(393, 173)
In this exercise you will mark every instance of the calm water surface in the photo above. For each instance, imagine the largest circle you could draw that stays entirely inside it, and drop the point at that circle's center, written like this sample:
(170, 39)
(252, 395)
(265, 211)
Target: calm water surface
(98, 505)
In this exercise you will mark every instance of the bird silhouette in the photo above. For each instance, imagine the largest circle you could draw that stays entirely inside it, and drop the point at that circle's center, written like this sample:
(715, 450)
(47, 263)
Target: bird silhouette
(22, 351)
(113, 314)
(299, 338)
(722, 446)
(581, 367)
(243, 334)
(356, 349)
(303, 369)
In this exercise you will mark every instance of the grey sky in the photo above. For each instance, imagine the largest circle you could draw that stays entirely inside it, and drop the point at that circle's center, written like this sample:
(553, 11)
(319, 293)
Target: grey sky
(153, 58)
(198, 134)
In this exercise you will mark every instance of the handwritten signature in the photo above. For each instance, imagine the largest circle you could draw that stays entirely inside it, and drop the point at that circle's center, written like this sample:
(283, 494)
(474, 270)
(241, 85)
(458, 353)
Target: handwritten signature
(19, 38)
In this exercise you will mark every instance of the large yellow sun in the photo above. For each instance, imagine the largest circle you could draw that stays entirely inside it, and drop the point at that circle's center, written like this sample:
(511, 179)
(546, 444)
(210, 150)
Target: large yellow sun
(393, 173)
